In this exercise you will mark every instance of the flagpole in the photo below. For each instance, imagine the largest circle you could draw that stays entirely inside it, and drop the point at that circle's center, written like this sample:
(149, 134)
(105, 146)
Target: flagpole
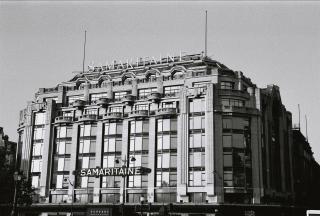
(84, 50)
(205, 37)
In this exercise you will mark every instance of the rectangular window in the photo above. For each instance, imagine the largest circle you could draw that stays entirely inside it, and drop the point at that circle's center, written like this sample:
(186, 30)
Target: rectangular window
(144, 93)
(119, 95)
(172, 91)
(142, 107)
(116, 109)
(72, 99)
(40, 118)
(97, 96)
(227, 85)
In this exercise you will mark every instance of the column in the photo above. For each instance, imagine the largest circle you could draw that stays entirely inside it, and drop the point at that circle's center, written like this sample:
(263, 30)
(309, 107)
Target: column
(209, 150)
(134, 87)
(27, 142)
(98, 161)
(47, 151)
(124, 151)
(152, 158)
(86, 95)
(73, 161)
(182, 149)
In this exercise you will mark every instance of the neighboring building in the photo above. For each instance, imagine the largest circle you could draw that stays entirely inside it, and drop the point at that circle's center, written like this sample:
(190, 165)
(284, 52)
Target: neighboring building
(306, 172)
(7, 165)
(209, 135)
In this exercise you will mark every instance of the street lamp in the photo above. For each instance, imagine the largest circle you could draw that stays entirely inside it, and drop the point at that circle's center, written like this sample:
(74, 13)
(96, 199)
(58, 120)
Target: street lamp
(67, 179)
(141, 202)
(124, 165)
(17, 178)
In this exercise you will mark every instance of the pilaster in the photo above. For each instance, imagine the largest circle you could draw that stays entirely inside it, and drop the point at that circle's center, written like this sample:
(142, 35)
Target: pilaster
(182, 149)
(73, 161)
(47, 150)
(152, 158)
(124, 151)
(98, 161)
(209, 148)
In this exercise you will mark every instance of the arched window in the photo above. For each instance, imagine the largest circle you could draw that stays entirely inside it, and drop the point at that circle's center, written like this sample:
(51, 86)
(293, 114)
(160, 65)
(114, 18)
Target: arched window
(177, 75)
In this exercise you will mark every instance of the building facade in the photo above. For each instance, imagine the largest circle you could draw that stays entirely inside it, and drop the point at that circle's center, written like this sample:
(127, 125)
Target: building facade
(208, 134)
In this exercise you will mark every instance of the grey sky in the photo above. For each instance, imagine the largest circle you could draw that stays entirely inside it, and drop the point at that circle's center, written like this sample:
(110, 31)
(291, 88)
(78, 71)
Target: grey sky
(271, 42)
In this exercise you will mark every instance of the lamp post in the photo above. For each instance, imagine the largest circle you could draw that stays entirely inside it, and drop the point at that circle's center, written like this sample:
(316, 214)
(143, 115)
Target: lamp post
(16, 177)
(124, 165)
(141, 202)
(72, 194)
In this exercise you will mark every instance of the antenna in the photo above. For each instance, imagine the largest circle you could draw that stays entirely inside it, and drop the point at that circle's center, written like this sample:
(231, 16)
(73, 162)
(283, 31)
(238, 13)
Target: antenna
(84, 50)
(299, 115)
(205, 35)
(306, 128)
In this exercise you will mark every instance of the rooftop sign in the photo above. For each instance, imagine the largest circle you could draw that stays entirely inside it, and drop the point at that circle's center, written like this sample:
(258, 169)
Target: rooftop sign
(130, 64)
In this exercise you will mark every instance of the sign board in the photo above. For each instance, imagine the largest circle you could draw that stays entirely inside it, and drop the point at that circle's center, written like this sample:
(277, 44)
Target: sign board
(313, 212)
(99, 212)
(115, 171)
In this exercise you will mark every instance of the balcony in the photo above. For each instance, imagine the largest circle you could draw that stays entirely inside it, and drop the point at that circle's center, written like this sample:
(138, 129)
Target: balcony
(138, 113)
(237, 109)
(88, 117)
(154, 97)
(79, 103)
(63, 119)
(112, 115)
(102, 102)
(128, 99)
(166, 111)
(234, 92)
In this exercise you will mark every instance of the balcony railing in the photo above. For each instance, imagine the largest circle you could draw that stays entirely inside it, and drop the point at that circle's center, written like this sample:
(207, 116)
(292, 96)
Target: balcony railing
(166, 111)
(63, 119)
(88, 117)
(112, 115)
(138, 113)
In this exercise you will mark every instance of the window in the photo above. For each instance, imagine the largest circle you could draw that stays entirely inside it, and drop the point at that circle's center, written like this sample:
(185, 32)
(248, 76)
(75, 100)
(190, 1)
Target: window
(142, 107)
(227, 159)
(227, 141)
(227, 85)
(144, 93)
(228, 178)
(232, 102)
(38, 133)
(138, 148)
(40, 118)
(115, 109)
(35, 181)
(197, 178)
(91, 111)
(169, 105)
(95, 97)
(36, 165)
(197, 105)
(119, 95)
(37, 149)
(226, 123)
(172, 91)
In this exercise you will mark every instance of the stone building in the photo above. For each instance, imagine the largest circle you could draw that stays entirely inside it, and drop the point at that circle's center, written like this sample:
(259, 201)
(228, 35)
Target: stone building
(209, 135)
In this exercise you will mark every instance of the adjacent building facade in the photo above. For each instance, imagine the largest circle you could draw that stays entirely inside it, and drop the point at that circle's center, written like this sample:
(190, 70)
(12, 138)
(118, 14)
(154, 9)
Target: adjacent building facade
(209, 135)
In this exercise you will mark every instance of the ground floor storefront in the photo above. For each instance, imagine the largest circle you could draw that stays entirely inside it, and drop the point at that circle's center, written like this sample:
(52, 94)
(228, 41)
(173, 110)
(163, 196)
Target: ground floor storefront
(173, 209)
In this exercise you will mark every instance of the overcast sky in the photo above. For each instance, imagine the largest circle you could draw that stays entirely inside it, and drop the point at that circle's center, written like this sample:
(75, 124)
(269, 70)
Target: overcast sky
(41, 44)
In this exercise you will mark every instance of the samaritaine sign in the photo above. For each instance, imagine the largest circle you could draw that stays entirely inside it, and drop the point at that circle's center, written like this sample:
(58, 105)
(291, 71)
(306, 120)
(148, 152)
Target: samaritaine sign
(115, 171)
